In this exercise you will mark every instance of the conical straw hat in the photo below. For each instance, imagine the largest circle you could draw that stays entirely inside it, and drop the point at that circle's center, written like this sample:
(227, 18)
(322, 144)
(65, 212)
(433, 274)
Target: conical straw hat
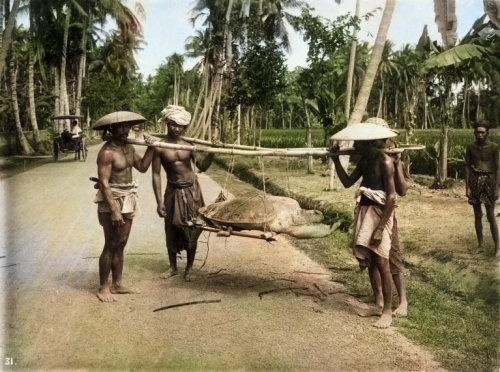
(119, 118)
(364, 132)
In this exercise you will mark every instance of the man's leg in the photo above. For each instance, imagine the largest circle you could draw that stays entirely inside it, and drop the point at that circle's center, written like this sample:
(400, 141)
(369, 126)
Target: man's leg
(104, 293)
(376, 283)
(385, 319)
(490, 214)
(171, 239)
(478, 215)
(122, 233)
(400, 284)
(192, 237)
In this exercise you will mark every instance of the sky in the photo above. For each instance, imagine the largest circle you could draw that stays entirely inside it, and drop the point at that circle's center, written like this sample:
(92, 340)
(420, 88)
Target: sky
(167, 26)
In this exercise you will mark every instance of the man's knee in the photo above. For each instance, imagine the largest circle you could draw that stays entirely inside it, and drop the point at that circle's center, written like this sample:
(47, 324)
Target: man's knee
(490, 214)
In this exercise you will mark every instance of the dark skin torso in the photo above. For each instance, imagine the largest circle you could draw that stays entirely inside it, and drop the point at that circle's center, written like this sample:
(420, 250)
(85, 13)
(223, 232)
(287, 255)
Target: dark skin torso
(177, 163)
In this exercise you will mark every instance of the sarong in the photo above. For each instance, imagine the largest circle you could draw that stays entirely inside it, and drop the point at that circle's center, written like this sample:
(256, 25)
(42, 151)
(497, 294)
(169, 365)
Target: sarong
(368, 213)
(482, 187)
(123, 194)
(182, 201)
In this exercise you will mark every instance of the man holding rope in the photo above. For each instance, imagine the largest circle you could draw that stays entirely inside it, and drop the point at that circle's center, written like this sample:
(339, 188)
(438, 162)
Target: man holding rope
(182, 197)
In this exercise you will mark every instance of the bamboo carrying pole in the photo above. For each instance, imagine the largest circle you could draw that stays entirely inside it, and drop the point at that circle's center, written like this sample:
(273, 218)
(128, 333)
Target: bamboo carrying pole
(296, 152)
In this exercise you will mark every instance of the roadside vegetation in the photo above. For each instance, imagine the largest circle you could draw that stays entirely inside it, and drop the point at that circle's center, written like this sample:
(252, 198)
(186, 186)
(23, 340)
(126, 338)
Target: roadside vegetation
(453, 289)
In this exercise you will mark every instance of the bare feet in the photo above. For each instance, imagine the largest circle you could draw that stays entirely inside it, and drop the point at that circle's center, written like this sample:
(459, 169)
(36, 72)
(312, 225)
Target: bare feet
(120, 289)
(401, 310)
(188, 275)
(384, 321)
(372, 311)
(169, 274)
(104, 294)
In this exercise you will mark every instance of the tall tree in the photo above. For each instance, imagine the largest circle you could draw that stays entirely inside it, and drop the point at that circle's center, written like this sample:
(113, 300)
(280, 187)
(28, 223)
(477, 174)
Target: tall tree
(371, 71)
(11, 16)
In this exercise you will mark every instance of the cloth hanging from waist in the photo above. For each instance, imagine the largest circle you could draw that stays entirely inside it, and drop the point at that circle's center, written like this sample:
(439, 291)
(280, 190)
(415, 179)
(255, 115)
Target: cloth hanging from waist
(123, 194)
(182, 201)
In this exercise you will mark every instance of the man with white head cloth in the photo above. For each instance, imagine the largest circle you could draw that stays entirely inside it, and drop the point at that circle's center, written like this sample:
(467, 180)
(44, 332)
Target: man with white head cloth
(182, 198)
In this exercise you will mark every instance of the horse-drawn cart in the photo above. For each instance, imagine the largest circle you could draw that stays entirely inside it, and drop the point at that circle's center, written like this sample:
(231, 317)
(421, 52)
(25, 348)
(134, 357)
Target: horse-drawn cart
(65, 141)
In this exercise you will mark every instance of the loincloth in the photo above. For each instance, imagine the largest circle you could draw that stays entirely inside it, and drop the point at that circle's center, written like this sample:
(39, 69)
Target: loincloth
(366, 221)
(182, 201)
(123, 194)
(482, 187)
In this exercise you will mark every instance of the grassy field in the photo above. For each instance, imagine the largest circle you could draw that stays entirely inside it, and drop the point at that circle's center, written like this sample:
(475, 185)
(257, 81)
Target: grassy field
(452, 288)
(422, 162)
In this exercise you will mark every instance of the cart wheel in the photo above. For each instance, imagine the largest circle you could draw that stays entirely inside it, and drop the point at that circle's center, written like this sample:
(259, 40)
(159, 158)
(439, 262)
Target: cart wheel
(55, 151)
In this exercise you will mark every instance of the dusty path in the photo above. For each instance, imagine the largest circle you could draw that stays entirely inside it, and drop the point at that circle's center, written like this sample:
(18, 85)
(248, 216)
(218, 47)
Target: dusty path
(50, 236)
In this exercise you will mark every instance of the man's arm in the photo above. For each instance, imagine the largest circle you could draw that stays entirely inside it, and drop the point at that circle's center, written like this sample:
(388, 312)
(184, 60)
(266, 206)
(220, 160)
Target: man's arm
(467, 172)
(400, 177)
(390, 203)
(202, 162)
(142, 164)
(346, 180)
(497, 170)
(104, 168)
(156, 168)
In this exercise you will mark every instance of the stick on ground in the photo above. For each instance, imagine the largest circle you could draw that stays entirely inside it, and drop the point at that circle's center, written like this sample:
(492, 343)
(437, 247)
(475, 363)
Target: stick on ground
(187, 304)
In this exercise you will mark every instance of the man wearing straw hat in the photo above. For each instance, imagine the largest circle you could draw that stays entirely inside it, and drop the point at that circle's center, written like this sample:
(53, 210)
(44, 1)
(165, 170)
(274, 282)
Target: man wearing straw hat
(117, 196)
(182, 197)
(374, 214)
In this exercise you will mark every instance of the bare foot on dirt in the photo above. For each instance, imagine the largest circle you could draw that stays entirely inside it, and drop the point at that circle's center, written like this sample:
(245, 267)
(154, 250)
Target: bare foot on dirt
(104, 294)
(169, 274)
(120, 289)
(188, 276)
(372, 311)
(384, 321)
(401, 310)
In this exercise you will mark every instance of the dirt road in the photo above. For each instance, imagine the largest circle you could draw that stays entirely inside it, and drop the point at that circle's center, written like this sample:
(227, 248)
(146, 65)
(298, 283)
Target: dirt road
(51, 239)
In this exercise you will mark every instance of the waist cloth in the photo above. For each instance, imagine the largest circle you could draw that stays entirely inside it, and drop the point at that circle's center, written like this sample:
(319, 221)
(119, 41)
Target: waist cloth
(123, 194)
(482, 185)
(182, 201)
(367, 214)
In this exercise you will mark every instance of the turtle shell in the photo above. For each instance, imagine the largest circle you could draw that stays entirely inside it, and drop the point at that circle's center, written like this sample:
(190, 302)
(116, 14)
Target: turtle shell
(246, 212)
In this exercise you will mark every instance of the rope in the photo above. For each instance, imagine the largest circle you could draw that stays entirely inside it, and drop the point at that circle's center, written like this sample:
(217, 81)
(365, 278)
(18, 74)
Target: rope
(261, 162)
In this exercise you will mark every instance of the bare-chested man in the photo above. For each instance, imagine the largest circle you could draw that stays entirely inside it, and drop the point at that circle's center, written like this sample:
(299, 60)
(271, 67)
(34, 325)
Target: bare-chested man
(117, 197)
(183, 197)
(374, 218)
(481, 180)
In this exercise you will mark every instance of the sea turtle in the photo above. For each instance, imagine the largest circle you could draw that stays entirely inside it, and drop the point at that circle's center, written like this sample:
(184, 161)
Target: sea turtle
(264, 212)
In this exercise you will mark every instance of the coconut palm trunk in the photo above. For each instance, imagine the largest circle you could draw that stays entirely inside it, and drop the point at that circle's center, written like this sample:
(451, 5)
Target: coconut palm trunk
(7, 34)
(371, 71)
(81, 72)
(31, 99)
(352, 61)
(23, 142)
(63, 91)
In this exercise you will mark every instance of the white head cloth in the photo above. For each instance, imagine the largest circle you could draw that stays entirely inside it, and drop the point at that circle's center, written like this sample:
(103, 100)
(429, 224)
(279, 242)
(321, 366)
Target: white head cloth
(177, 114)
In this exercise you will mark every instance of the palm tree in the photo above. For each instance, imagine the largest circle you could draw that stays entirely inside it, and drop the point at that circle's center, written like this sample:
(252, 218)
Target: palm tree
(11, 15)
(371, 71)
(26, 148)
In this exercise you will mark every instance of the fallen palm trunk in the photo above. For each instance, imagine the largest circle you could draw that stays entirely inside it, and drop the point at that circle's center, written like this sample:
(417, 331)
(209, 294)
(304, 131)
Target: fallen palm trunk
(295, 152)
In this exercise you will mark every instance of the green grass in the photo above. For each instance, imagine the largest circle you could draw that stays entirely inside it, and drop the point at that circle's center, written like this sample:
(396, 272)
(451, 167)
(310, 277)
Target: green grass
(453, 298)
(422, 162)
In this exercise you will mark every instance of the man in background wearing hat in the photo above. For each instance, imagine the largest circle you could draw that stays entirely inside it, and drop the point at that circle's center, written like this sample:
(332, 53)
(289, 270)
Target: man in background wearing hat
(374, 211)
(183, 197)
(481, 180)
(117, 196)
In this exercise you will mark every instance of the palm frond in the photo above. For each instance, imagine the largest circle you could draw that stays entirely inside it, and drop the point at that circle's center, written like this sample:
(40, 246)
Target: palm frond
(455, 56)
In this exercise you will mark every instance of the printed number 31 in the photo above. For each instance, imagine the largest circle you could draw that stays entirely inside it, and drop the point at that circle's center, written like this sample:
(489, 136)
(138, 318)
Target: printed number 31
(9, 361)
